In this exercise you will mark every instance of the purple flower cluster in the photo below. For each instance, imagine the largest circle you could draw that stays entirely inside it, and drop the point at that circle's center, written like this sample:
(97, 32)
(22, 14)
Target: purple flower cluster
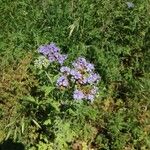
(78, 95)
(83, 72)
(62, 81)
(85, 94)
(81, 64)
(52, 52)
(81, 77)
(84, 78)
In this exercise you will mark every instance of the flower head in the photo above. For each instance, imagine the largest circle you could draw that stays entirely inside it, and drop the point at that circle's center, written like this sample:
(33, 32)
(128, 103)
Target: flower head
(61, 58)
(89, 67)
(83, 80)
(43, 50)
(78, 95)
(76, 74)
(53, 48)
(52, 52)
(90, 97)
(65, 70)
(51, 58)
(93, 78)
(41, 62)
(62, 81)
(82, 64)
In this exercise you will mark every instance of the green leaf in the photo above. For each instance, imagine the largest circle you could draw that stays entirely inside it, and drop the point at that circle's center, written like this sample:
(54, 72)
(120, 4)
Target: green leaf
(8, 134)
(47, 122)
(22, 125)
(36, 123)
(30, 99)
(15, 134)
(47, 89)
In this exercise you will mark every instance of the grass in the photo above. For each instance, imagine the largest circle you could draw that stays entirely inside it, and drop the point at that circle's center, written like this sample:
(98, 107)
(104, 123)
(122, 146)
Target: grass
(109, 34)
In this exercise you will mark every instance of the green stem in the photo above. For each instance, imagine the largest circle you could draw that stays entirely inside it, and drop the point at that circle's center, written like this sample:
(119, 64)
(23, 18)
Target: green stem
(49, 77)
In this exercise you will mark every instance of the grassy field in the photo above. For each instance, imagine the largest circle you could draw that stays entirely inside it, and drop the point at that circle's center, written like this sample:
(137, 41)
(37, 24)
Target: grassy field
(114, 36)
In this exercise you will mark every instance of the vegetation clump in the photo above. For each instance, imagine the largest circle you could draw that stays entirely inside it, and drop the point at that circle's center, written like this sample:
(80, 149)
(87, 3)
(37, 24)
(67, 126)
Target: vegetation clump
(92, 92)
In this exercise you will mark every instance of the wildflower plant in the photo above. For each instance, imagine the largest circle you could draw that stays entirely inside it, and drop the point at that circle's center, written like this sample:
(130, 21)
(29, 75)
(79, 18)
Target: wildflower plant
(82, 77)
(76, 81)
(35, 113)
(47, 66)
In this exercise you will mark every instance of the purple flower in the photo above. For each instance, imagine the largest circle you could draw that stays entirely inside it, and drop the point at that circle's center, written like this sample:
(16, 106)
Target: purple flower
(93, 78)
(62, 81)
(61, 59)
(65, 69)
(76, 74)
(53, 48)
(52, 52)
(90, 97)
(82, 64)
(51, 58)
(43, 50)
(89, 67)
(83, 80)
(79, 63)
(81, 60)
(77, 66)
(78, 95)
(48, 49)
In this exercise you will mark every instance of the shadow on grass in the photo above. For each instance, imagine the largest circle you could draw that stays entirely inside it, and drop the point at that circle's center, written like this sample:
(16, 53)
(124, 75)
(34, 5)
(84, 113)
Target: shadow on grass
(10, 145)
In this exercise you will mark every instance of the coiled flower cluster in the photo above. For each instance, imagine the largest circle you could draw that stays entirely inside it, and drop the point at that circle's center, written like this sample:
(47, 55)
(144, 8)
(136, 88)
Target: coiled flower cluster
(82, 77)
(40, 62)
(52, 52)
